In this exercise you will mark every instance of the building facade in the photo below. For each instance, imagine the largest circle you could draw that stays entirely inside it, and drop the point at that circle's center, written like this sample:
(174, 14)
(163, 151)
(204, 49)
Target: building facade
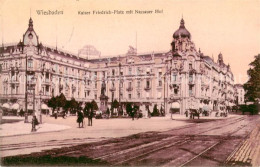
(181, 78)
(239, 94)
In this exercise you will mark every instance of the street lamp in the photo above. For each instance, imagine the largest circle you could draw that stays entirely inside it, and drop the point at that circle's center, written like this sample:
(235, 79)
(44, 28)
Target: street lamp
(26, 93)
(40, 93)
(119, 88)
(32, 87)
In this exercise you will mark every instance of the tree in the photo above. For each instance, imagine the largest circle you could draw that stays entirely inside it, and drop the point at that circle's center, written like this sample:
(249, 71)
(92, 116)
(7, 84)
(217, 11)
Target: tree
(162, 111)
(130, 110)
(87, 108)
(252, 86)
(114, 105)
(108, 112)
(94, 105)
(90, 107)
(73, 105)
(155, 111)
(61, 100)
(67, 106)
(52, 103)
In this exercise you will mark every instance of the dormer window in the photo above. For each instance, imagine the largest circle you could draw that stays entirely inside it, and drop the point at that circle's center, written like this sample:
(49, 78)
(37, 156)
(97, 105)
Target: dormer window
(30, 63)
(190, 66)
(113, 72)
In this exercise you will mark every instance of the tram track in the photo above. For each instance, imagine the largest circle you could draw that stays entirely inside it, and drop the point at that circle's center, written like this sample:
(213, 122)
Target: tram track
(195, 141)
(119, 154)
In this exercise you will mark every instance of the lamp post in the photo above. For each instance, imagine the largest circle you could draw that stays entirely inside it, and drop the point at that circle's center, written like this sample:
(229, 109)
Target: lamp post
(26, 93)
(40, 93)
(120, 107)
(32, 87)
(33, 79)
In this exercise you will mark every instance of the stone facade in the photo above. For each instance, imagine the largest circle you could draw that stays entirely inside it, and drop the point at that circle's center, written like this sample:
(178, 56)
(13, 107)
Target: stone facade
(181, 78)
(239, 94)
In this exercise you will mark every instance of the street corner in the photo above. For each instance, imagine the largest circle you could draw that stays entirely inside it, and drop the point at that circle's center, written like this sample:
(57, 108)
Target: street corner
(21, 128)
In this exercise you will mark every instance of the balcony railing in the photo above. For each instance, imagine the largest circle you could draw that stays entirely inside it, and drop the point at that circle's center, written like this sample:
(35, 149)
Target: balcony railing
(129, 88)
(191, 82)
(147, 88)
(112, 89)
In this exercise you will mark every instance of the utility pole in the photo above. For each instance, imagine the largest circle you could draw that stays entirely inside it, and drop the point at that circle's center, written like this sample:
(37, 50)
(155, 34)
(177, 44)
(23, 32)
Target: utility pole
(26, 92)
(119, 90)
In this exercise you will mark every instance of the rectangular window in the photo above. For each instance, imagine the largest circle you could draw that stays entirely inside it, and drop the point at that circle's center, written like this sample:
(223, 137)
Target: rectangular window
(113, 94)
(30, 63)
(148, 84)
(138, 84)
(190, 66)
(113, 72)
(129, 84)
(138, 71)
(160, 83)
(129, 96)
(175, 91)
(190, 78)
(138, 94)
(160, 74)
(174, 77)
(88, 92)
(95, 96)
(130, 71)
(190, 90)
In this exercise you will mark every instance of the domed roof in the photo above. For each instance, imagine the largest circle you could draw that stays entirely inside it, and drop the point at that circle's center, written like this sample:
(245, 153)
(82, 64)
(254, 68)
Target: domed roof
(182, 31)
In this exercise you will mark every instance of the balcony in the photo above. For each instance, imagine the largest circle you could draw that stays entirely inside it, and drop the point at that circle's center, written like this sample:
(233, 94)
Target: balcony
(129, 88)
(147, 88)
(60, 87)
(112, 89)
(191, 82)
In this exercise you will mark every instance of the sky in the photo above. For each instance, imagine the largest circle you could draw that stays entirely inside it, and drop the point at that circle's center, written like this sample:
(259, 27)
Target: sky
(231, 27)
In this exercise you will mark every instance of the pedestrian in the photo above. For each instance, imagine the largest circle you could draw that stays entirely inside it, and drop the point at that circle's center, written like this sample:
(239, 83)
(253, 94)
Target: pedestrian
(34, 123)
(63, 114)
(90, 116)
(80, 119)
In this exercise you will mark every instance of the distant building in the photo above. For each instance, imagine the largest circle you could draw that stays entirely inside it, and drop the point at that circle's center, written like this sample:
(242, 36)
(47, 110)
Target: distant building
(239, 94)
(181, 78)
(89, 52)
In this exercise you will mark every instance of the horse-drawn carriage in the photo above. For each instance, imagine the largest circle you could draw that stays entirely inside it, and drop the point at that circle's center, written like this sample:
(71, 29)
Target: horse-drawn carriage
(197, 112)
(193, 113)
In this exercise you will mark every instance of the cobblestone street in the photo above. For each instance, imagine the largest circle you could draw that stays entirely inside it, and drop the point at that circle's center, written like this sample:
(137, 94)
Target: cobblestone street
(249, 150)
(231, 141)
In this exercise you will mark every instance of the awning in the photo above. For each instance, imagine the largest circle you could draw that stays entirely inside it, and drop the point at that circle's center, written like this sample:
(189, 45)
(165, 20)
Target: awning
(175, 105)
(15, 106)
(6, 105)
(205, 108)
(44, 107)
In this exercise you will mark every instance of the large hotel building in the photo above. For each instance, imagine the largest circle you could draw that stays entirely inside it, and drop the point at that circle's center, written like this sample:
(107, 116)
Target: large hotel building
(181, 78)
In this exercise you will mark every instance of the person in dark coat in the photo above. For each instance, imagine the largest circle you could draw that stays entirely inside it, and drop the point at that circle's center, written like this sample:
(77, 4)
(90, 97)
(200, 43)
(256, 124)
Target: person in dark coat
(80, 118)
(90, 116)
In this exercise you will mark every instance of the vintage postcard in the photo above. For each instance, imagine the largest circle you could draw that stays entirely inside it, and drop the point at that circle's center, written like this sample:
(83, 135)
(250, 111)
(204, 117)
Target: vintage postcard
(129, 83)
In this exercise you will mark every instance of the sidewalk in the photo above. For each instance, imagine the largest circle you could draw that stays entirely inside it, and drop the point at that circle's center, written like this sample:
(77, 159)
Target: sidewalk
(21, 128)
(249, 151)
(212, 117)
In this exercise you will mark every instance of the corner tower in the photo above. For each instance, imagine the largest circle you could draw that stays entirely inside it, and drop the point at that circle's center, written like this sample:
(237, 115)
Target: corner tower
(30, 37)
